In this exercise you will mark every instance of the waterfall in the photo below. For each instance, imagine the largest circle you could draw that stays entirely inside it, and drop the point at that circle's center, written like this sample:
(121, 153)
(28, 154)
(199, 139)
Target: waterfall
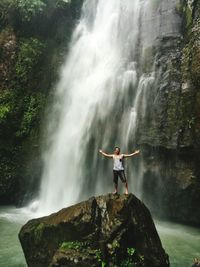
(102, 88)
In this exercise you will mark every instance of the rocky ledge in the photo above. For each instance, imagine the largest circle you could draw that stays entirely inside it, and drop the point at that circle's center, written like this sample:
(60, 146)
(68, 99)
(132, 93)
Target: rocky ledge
(102, 231)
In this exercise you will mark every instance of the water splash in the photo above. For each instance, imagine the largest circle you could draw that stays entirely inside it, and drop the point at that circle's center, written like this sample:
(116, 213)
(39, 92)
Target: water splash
(102, 88)
(96, 79)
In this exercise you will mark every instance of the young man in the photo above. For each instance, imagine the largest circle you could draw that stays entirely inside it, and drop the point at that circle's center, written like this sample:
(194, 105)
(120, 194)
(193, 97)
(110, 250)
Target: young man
(118, 168)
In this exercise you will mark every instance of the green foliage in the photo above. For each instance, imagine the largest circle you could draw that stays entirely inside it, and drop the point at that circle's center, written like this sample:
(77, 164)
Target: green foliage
(26, 110)
(26, 83)
(131, 256)
(74, 245)
(28, 57)
(130, 251)
(28, 9)
(129, 261)
(99, 257)
(30, 105)
(33, 105)
(115, 244)
(6, 105)
(4, 110)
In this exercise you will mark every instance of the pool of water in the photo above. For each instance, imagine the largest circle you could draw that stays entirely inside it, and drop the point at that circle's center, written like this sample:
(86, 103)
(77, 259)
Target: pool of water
(182, 243)
(11, 254)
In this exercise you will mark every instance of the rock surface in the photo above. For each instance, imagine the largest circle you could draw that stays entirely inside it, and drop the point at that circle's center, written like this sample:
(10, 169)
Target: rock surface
(111, 229)
(170, 134)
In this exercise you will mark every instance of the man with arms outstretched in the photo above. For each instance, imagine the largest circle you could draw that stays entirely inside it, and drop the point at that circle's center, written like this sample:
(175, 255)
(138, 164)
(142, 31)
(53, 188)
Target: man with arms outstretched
(118, 168)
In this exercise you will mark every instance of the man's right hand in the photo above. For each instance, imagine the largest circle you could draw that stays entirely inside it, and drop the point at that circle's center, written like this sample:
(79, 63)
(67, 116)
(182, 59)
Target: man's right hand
(105, 154)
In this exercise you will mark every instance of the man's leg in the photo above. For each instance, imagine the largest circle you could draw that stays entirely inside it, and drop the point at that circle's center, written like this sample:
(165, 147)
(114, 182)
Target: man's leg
(124, 181)
(115, 180)
(126, 187)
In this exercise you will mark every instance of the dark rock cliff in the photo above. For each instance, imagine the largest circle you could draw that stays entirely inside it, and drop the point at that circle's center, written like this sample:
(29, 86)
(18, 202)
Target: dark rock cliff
(169, 135)
(117, 230)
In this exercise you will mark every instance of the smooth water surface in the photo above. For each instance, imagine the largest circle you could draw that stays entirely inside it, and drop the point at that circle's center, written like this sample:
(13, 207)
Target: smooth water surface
(11, 220)
(182, 243)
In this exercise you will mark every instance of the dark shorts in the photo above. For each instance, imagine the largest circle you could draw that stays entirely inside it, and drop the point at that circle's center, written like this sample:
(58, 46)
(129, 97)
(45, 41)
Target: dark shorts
(119, 174)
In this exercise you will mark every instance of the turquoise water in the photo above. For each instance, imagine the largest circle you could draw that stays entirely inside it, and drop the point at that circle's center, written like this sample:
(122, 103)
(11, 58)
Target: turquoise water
(11, 254)
(182, 243)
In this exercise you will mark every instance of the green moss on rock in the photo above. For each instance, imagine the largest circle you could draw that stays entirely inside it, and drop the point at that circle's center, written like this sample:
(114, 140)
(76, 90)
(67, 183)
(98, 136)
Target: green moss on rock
(38, 232)
(184, 8)
(195, 63)
(77, 245)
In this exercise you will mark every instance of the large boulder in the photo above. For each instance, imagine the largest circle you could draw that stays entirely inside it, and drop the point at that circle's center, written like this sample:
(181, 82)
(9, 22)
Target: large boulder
(112, 230)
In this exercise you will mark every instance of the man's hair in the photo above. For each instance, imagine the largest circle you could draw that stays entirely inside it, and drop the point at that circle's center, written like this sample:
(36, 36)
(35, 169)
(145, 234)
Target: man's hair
(117, 147)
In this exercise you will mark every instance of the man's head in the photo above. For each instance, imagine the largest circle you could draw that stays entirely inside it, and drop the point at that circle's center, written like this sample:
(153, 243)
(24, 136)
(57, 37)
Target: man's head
(117, 150)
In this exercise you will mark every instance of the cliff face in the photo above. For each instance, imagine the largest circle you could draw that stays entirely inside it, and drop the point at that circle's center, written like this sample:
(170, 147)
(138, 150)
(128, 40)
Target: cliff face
(111, 230)
(170, 132)
(33, 42)
(172, 36)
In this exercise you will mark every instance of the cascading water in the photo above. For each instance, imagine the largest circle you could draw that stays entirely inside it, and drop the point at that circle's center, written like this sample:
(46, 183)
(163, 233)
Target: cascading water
(101, 89)
(102, 96)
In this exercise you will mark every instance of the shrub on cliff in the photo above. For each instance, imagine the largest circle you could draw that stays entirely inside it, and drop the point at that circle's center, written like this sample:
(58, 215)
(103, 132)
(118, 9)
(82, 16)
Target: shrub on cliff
(29, 54)
(29, 8)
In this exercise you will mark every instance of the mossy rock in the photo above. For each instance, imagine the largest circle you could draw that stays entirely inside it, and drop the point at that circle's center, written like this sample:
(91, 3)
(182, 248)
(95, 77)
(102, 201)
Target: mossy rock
(93, 232)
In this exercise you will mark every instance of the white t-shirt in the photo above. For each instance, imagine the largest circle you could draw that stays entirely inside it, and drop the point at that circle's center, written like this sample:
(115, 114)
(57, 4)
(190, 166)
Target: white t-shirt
(118, 162)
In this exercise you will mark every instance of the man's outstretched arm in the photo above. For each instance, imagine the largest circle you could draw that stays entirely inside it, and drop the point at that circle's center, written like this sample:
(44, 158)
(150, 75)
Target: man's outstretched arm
(132, 154)
(105, 154)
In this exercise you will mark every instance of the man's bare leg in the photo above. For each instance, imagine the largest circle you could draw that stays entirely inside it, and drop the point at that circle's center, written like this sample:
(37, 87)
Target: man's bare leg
(116, 189)
(126, 188)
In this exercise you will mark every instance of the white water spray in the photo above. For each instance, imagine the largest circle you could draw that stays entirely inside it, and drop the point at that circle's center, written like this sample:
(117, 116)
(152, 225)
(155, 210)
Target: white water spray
(96, 103)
